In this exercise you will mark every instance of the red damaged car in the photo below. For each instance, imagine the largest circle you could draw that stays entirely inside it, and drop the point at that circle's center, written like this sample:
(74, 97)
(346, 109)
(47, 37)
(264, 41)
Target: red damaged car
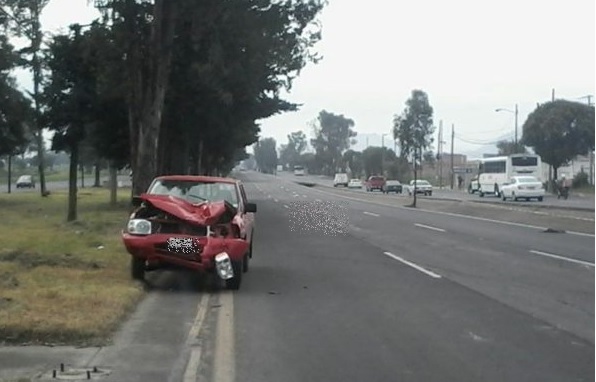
(195, 222)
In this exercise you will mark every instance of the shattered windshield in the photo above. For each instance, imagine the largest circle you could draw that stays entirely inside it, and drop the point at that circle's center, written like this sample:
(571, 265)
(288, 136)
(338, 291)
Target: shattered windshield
(196, 192)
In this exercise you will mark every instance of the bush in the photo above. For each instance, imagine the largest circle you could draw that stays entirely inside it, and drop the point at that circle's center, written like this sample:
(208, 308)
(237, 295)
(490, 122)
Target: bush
(580, 180)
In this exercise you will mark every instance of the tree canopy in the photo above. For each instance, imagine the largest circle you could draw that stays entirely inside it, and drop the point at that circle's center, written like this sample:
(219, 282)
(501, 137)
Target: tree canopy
(506, 147)
(414, 128)
(332, 137)
(266, 155)
(560, 130)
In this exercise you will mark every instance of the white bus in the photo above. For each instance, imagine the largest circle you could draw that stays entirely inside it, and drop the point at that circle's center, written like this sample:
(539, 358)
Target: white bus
(493, 172)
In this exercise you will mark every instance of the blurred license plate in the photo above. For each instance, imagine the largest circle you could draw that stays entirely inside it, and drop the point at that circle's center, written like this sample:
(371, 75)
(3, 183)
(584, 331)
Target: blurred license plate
(182, 245)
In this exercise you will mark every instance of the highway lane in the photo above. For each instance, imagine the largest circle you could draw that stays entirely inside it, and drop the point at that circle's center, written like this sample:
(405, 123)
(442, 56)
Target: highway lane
(346, 307)
(548, 275)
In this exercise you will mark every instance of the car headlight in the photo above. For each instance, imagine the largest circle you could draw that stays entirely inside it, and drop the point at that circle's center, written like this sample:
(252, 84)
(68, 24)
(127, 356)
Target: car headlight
(139, 227)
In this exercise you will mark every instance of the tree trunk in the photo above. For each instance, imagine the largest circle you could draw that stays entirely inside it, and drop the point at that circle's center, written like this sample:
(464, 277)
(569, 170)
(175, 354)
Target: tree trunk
(37, 77)
(9, 173)
(82, 168)
(72, 183)
(149, 94)
(113, 184)
(97, 175)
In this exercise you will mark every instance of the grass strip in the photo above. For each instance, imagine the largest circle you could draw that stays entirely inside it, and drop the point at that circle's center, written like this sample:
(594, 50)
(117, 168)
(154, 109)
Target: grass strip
(63, 283)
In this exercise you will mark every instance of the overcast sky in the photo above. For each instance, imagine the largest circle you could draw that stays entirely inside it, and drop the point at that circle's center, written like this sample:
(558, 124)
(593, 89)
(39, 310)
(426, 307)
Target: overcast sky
(469, 56)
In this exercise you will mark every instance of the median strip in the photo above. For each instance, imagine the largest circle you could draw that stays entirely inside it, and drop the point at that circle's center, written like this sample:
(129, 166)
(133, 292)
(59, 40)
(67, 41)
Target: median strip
(415, 266)
(540, 253)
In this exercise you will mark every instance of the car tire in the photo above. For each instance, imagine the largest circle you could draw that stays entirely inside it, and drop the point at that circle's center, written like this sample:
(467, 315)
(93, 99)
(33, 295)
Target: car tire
(137, 268)
(481, 194)
(430, 193)
(515, 198)
(234, 282)
(503, 198)
(245, 263)
(540, 198)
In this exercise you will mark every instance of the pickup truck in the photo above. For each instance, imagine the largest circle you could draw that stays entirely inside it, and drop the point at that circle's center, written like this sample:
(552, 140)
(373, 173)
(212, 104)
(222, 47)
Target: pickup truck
(375, 182)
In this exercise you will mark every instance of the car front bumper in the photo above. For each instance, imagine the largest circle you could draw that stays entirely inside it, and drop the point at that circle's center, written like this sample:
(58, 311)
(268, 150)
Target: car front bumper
(153, 249)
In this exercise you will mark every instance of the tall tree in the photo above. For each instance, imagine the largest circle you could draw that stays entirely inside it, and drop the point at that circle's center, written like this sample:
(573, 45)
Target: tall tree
(354, 161)
(505, 147)
(332, 137)
(266, 155)
(414, 127)
(377, 160)
(290, 152)
(71, 98)
(21, 18)
(558, 131)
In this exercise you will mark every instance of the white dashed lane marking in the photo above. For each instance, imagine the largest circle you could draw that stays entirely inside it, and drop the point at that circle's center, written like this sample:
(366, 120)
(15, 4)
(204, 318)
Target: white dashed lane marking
(558, 257)
(371, 214)
(415, 266)
(429, 227)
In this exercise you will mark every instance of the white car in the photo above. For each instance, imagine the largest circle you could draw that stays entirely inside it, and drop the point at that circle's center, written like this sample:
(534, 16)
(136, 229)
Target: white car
(522, 187)
(422, 187)
(341, 179)
(355, 183)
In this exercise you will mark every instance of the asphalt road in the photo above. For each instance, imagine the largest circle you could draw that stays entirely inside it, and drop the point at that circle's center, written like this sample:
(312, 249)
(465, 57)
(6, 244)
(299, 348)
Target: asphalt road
(345, 288)
(576, 201)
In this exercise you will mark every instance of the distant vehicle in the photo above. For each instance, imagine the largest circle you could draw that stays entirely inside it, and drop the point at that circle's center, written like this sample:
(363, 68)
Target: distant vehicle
(299, 170)
(494, 172)
(375, 182)
(280, 168)
(341, 179)
(474, 186)
(355, 183)
(392, 186)
(522, 187)
(25, 181)
(422, 187)
(200, 223)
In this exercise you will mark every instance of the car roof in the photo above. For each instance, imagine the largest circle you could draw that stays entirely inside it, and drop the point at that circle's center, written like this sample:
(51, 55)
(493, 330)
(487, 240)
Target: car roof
(198, 178)
(25, 176)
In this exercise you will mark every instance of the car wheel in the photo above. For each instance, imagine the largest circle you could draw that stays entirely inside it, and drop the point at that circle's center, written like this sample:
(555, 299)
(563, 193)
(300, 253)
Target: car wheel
(137, 268)
(540, 198)
(515, 198)
(234, 282)
(430, 193)
(481, 194)
(503, 198)
(245, 263)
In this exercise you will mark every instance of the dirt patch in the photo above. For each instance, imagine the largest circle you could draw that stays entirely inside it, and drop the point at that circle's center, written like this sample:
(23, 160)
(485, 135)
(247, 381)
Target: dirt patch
(32, 260)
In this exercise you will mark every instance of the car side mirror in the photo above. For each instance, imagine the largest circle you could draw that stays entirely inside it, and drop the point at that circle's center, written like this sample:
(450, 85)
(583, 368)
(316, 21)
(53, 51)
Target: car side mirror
(250, 207)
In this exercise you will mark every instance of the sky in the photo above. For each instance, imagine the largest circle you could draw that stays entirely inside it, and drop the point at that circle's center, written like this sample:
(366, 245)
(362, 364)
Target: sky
(471, 57)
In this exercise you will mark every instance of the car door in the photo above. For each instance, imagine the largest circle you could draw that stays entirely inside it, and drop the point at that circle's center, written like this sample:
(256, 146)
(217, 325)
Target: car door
(247, 217)
(511, 184)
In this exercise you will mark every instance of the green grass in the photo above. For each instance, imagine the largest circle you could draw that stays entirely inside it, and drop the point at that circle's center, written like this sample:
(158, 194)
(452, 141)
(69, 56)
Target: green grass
(63, 283)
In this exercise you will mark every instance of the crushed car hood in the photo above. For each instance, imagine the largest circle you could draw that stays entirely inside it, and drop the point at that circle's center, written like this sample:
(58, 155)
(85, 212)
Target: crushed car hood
(205, 213)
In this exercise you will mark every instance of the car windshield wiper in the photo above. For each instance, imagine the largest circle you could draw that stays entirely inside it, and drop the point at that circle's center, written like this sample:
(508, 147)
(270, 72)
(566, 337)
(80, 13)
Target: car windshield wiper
(197, 197)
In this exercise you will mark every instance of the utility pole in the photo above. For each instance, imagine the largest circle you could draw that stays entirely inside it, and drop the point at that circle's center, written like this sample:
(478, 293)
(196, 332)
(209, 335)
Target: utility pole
(516, 114)
(452, 144)
(553, 95)
(440, 156)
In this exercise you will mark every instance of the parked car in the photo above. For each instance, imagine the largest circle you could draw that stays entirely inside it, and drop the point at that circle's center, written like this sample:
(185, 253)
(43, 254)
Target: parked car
(392, 186)
(355, 183)
(375, 182)
(422, 187)
(474, 186)
(25, 181)
(523, 187)
(194, 222)
(341, 179)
